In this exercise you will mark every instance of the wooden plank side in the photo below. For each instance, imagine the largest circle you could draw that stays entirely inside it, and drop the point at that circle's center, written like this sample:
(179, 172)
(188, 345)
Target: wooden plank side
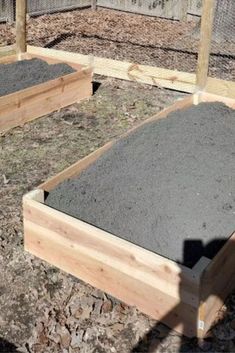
(111, 248)
(7, 50)
(218, 281)
(157, 286)
(207, 97)
(21, 98)
(36, 108)
(132, 291)
(172, 79)
(205, 42)
(78, 167)
(220, 87)
(8, 59)
(26, 105)
(176, 80)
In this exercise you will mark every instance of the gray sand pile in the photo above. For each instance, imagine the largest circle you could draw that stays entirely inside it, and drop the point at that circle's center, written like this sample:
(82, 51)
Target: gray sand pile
(27, 73)
(168, 187)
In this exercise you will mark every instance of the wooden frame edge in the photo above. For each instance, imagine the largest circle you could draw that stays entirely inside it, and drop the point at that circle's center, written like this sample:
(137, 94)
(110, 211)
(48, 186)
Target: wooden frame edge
(140, 274)
(172, 79)
(201, 303)
(19, 107)
(7, 50)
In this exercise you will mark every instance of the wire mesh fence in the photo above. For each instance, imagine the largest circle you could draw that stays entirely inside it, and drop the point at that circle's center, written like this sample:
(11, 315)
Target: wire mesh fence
(222, 58)
(167, 38)
(7, 25)
(162, 39)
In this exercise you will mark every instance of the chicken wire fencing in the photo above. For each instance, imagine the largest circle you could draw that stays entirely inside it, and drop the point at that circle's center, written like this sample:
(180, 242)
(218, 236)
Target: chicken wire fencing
(222, 57)
(160, 33)
(7, 25)
(157, 33)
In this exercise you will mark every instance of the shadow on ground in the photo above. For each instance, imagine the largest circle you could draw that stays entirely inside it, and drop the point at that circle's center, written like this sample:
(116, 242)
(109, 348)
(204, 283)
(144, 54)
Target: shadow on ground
(151, 342)
(95, 86)
(7, 347)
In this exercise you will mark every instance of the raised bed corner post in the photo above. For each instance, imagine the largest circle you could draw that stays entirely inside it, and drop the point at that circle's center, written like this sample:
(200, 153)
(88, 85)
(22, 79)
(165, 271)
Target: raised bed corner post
(21, 9)
(207, 20)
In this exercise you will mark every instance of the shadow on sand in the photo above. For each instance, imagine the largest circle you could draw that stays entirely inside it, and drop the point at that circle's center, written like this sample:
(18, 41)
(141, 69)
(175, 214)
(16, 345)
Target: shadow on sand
(150, 342)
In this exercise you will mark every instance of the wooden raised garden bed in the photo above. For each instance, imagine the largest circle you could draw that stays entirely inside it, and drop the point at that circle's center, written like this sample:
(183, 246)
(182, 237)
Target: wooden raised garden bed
(186, 299)
(30, 103)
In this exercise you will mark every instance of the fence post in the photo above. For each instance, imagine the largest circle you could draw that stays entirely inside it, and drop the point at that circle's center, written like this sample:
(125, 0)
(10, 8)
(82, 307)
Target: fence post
(207, 20)
(94, 4)
(21, 9)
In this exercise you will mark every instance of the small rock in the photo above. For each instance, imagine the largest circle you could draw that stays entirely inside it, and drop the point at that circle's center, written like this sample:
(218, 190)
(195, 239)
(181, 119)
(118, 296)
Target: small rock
(5, 180)
(76, 339)
(65, 337)
(107, 306)
(86, 313)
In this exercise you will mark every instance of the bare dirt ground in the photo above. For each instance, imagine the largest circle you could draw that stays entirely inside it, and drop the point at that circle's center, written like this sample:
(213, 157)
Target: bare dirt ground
(125, 36)
(42, 308)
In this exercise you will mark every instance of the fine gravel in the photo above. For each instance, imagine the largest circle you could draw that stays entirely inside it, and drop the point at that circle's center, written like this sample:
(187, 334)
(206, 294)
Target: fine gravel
(169, 186)
(27, 73)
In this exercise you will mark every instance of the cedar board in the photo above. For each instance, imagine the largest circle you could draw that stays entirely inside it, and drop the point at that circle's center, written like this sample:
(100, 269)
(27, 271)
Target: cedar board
(28, 104)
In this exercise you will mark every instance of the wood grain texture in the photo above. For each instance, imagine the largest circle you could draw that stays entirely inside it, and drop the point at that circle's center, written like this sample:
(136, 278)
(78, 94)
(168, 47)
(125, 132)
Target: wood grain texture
(157, 286)
(218, 281)
(207, 97)
(155, 76)
(176, 80)
(7, 50)
(20, 107)
(220, 87)
(208, 7)
(21, 10)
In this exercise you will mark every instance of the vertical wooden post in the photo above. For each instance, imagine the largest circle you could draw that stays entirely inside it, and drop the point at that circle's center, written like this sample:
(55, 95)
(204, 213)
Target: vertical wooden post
(207, 19)
(94, 4)
(21, 9)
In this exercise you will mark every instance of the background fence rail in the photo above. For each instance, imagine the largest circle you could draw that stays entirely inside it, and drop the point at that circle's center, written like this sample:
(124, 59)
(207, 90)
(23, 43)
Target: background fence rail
(172, 9)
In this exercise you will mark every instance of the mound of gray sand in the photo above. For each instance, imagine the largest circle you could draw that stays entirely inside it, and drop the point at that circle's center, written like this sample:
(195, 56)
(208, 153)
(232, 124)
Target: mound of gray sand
(27, 73)
(169, 186)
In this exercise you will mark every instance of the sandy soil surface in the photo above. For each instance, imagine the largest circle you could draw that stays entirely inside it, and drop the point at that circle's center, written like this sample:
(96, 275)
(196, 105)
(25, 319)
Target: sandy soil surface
(163, 185)
(43, 309)
(124, 36)
(27, 73)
